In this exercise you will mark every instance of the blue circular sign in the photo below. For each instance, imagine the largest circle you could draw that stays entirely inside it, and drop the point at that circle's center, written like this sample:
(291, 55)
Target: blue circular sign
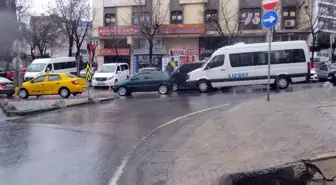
(269, 19)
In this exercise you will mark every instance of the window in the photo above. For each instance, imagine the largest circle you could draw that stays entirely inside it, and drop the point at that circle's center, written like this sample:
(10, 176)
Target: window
(58, 66)
(250, 19)
(118, 69)
(49, 67)
(210, 16)
(261, 58)
(217, 61)
(289, 17)
(176, 17)
(138, 18)
(110, 19)
(52, 78)
(142, 76)
(157, 75)
(124, 67)
(39, 79)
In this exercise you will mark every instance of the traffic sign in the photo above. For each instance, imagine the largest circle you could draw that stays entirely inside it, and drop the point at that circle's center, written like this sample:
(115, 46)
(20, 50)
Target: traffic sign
(88, 74)
(269, 4)
(269, 19)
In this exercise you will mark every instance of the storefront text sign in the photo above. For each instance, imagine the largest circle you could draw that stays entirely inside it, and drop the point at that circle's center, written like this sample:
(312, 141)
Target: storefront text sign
(119, 30)
(183, 52)
(114, 52)
(183, 29)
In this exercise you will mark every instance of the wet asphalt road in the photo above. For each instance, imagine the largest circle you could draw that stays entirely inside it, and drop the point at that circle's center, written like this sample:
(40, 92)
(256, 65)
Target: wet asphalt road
(85, 145)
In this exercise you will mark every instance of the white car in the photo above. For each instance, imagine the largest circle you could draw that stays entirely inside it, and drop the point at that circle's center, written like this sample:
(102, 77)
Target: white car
(313, 75)
(109, 74)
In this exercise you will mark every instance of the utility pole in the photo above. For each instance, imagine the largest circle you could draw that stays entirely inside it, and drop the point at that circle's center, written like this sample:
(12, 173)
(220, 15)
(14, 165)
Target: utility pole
(332, 38)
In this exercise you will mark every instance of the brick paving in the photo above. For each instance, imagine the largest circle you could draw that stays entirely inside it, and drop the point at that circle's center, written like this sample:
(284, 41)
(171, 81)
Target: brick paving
(257, 135)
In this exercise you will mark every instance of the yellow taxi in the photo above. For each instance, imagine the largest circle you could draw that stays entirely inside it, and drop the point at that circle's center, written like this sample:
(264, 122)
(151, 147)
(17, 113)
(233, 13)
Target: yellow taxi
(52, 84)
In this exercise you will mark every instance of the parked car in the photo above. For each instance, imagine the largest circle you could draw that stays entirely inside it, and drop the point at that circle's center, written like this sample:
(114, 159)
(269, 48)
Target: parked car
(326, 72)
(6, 87)
(179, 76)
(109, 74)
(313, 75)
(63, 84)
(57, 65)
(82, 73)
(145, 82)
(147, 69)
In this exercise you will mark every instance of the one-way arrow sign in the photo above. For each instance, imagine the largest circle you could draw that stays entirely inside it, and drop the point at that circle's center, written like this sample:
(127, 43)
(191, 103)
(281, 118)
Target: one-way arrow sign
(270, 19)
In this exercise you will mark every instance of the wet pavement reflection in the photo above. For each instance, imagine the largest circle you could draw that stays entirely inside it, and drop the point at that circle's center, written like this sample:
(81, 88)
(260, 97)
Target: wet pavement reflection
(84, 145)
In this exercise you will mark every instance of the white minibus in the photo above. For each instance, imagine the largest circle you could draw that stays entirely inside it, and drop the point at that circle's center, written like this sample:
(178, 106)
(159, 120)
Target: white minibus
(40, 66)
(246, 64)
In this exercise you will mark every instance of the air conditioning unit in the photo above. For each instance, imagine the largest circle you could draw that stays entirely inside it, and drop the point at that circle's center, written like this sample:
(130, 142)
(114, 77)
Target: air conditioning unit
(289, 23)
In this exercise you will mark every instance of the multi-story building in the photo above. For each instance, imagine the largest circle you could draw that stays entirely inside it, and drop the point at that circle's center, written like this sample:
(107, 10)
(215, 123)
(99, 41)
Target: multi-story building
(324, 17)
(192, 30)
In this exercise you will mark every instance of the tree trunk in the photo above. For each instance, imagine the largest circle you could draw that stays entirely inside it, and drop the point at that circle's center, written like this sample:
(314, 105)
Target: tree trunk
(78, 59)
(71, 41)
(32, 54)
(313, 51)
(150, 42)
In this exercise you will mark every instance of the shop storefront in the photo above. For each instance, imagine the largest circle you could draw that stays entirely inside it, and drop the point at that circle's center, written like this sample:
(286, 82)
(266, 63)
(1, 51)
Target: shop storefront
(178, 57)
(112, 55)
(141, 58)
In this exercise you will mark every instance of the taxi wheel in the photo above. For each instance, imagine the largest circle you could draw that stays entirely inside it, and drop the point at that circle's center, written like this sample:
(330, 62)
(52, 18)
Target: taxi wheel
(64, 92)
(23, 93)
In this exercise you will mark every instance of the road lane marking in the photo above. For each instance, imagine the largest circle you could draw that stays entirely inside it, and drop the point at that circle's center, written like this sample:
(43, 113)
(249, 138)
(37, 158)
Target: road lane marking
(116, 176)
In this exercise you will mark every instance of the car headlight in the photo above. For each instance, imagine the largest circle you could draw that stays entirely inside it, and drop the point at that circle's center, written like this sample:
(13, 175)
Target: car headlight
(110, 78)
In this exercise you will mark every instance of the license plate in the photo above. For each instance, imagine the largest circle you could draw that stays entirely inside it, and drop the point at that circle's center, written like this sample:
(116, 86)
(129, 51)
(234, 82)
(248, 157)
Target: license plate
(9, 85)
(101, 83)
(329, 78)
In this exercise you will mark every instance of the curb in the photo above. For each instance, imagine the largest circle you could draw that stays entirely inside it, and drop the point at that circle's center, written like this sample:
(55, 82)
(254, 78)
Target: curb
(15, 113)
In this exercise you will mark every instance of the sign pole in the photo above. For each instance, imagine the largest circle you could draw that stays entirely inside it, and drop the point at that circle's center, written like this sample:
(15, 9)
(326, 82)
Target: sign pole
(88, 72)
(269, 63)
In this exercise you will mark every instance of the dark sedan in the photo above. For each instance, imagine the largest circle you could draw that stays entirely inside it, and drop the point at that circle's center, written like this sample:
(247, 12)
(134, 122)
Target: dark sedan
(145, 82)
(179, 77)
(6, 87)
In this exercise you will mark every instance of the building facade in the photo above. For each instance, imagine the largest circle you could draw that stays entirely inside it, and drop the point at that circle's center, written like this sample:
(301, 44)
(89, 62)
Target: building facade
(324, 16)
(192, 29)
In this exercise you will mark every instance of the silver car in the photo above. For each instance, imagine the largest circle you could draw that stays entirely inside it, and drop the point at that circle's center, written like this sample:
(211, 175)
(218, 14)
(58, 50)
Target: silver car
(326, 72)
(82, 73)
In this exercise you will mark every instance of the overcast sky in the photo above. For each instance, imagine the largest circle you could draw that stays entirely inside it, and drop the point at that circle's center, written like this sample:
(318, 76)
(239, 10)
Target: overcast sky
(39, 6)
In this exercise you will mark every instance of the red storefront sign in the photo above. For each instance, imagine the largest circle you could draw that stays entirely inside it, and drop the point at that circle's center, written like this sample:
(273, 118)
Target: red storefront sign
(119, 30)
(183, 29)
(184, 52)
(168, 29)
(114, 52)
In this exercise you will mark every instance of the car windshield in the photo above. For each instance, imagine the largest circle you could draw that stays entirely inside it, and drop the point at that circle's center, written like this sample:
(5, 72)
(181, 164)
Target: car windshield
(106, 69)
(36, 67)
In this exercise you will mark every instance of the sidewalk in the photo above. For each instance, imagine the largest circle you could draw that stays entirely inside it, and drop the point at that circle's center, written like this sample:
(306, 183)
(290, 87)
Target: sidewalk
(19, 107)
(258, 135)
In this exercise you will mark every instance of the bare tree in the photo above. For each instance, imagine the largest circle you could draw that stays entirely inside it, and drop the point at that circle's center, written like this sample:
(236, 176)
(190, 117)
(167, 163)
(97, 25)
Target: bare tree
(228, 27)
(151, 20)
(316, 23)
(74, 19)
(41, 34)
(23, 10)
